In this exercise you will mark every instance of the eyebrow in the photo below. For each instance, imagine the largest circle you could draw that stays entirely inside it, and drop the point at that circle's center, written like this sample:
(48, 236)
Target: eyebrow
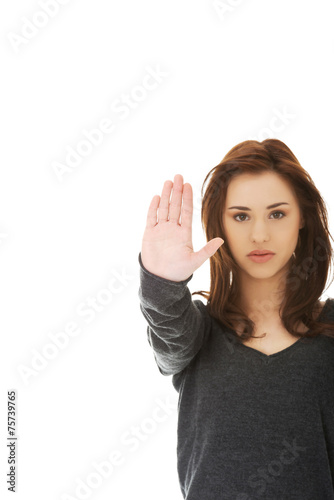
(270, 206)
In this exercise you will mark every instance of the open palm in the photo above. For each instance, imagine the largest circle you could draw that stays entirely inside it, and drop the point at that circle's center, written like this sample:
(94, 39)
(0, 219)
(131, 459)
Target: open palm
(167, 249)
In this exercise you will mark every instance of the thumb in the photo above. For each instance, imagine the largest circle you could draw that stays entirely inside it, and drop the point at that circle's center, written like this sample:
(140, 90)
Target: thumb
(208, 250)
(213, 245)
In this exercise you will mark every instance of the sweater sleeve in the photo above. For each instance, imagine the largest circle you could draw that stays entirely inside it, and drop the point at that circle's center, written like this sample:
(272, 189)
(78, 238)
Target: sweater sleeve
(177, 325)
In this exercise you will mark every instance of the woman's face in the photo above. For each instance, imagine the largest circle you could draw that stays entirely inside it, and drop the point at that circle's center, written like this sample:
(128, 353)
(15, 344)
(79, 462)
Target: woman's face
(256, 227)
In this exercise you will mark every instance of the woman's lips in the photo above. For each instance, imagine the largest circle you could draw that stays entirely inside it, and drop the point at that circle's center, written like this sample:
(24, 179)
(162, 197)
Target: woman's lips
(261, 258)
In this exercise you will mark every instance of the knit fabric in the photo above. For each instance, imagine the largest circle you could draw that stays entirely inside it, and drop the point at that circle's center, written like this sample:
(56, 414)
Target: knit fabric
(251, 426)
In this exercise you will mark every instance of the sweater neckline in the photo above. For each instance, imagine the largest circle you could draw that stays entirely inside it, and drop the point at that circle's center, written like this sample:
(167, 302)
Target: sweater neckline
(290, 347)
(274, 354)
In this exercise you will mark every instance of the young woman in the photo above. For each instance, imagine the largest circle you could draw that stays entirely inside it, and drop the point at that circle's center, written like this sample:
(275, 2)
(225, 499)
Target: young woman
(254, 367)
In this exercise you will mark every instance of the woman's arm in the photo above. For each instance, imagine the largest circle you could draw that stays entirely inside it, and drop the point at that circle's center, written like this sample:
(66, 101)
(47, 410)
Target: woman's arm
(177, 325)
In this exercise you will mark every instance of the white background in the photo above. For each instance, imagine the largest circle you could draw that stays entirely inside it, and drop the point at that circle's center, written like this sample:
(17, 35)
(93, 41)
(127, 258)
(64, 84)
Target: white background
(228, 70)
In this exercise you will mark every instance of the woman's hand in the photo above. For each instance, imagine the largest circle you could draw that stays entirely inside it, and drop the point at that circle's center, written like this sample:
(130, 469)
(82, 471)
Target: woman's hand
(167, 249)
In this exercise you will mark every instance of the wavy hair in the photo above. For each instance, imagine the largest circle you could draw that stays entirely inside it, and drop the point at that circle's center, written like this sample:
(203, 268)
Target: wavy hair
(309, 269)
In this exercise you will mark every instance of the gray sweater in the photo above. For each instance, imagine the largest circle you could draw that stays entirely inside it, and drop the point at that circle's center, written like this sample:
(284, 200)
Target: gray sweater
(251, 426)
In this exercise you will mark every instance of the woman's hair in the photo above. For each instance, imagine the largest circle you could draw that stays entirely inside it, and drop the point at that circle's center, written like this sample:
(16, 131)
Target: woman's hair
(308, 273)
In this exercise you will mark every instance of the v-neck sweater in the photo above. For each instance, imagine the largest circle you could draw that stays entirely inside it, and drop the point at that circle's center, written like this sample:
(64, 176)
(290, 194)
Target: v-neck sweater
(251, 426)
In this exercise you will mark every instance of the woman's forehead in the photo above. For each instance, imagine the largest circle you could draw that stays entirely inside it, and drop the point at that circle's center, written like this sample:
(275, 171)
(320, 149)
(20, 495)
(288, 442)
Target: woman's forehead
(259, 189)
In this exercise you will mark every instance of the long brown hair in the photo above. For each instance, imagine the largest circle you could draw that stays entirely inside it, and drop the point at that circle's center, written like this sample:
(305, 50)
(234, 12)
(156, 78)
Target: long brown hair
(308, 273)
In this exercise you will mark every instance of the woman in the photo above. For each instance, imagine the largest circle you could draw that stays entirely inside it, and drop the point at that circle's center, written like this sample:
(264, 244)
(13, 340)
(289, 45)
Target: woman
(254, 367)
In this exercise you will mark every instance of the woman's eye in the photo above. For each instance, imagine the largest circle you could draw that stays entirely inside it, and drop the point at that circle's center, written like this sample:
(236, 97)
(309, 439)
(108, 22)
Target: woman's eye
(279, 212)
(273, 213)
(239, 215)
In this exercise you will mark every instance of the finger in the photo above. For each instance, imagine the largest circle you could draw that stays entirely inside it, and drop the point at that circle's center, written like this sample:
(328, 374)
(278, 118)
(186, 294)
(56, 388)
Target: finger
(176, 200)
(187, 207)
(207, 251)
(151, 219)
(164, 201)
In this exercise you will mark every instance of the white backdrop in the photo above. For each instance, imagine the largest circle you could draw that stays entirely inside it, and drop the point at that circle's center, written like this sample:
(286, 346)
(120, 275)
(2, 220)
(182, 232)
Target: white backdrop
(101, 102)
